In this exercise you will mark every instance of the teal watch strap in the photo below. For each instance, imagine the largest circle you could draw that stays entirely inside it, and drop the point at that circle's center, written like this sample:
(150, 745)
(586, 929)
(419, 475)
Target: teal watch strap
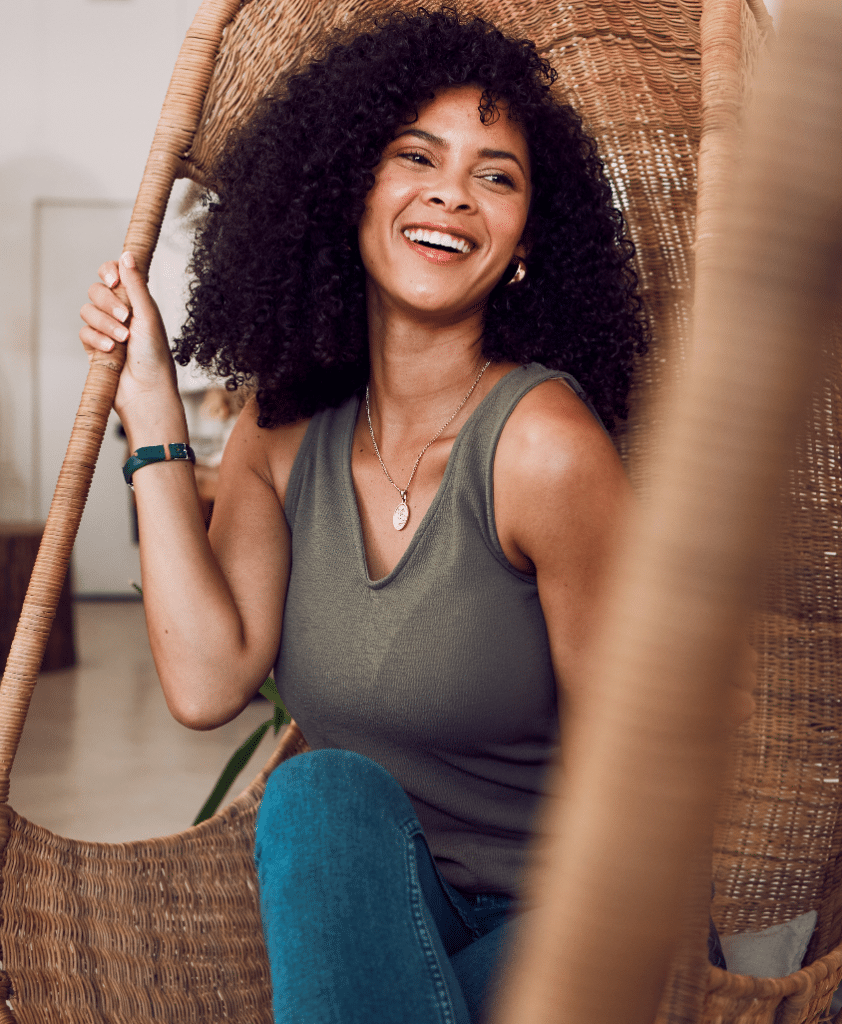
(155, 453)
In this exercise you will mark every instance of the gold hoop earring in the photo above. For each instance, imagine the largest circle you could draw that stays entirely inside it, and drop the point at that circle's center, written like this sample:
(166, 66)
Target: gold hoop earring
(520, 272)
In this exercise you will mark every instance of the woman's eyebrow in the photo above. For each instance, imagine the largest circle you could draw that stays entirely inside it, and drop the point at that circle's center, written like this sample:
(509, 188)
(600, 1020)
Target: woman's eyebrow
(426, 136)
(486, 154)
(501, 154)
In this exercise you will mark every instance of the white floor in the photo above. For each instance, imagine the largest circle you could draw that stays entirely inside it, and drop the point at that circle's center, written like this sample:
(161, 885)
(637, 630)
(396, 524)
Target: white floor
(101, 758)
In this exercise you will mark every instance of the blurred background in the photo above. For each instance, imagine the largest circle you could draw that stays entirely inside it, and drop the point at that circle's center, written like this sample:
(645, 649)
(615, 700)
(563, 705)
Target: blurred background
(84, 81)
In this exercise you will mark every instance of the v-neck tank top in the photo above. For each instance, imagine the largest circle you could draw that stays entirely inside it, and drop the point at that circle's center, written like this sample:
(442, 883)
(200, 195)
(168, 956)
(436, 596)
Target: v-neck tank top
(441, 671)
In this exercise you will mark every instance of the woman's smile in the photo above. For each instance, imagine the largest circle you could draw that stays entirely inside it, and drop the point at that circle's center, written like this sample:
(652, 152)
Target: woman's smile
(438, 244)
(439, 240)
(448, 208)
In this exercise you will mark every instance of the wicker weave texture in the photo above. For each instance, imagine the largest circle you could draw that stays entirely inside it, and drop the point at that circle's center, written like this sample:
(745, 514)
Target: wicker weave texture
(633, 69)
(160, 930)
(779, 837)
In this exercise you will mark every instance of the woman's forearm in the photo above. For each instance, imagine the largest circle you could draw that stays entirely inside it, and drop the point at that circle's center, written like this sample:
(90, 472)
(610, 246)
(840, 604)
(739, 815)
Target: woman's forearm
(213, 617)
(206, 668)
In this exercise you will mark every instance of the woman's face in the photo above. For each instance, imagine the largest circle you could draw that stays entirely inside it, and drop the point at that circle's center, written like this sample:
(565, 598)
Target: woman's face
(448, 209)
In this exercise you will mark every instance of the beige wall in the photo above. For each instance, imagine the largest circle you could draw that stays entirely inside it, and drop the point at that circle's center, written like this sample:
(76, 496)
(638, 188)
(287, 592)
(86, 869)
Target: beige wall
(82, 82)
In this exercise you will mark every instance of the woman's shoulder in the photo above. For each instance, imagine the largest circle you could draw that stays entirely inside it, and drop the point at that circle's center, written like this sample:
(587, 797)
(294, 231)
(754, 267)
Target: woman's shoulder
(556, 475)
(270, 452)
(552, 430)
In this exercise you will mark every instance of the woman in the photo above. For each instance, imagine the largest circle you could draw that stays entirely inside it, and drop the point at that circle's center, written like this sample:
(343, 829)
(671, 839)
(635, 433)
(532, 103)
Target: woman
(406, 253)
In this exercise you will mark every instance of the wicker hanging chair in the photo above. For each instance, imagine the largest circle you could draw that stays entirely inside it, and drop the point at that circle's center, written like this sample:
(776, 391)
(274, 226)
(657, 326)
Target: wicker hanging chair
(154, 930)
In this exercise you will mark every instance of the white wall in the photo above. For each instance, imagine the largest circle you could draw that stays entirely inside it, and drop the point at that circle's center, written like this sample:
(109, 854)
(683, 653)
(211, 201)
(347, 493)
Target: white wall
(82, 83)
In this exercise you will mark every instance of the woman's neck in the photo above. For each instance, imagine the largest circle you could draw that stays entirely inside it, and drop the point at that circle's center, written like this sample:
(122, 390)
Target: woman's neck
(420, 370)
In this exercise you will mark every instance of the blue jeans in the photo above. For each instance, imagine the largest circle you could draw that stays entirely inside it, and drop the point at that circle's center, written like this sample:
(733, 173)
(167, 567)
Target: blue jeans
(359, 924)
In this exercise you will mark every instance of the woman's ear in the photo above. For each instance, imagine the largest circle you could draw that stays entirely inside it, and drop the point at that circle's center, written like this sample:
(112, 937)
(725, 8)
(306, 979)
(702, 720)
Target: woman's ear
(516, 270)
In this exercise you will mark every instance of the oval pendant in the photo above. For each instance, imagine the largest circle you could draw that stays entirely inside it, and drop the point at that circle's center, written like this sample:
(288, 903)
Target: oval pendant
(401, 516)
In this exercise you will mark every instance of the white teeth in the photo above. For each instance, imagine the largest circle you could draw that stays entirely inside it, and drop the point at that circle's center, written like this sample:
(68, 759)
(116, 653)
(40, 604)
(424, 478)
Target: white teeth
(437, 238)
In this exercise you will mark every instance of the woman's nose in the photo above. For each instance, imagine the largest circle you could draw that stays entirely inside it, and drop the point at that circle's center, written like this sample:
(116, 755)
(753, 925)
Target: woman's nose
(449, 193)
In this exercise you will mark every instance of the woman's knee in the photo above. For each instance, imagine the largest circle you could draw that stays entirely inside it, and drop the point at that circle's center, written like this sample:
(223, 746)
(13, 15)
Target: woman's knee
(325, 793)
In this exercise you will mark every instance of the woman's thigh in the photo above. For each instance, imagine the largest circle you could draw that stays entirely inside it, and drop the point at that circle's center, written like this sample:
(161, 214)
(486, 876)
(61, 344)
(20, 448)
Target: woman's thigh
(359, 924)
(477, 970)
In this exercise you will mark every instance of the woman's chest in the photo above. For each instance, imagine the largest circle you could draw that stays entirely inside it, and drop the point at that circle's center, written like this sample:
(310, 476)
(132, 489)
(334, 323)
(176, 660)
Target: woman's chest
(452, 639)
(393, 501)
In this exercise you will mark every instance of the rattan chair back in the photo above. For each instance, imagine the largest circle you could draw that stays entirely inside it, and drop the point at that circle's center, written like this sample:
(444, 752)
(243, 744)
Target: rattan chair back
(155, 930)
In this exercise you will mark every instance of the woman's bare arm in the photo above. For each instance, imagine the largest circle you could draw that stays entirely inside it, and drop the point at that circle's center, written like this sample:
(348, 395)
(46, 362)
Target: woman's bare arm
(213, 604)
(561, 495)
(561, 498)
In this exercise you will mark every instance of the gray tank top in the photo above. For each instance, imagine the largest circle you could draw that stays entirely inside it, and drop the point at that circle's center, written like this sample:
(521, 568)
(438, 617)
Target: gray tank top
(440, 672)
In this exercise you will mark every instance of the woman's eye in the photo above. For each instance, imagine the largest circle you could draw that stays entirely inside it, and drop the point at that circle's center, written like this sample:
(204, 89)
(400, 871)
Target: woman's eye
(414, 157)
(498, 178)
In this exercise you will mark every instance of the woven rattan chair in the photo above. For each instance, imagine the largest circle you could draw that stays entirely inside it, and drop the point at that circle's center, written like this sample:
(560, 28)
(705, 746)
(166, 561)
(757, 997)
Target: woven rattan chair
(156, 930)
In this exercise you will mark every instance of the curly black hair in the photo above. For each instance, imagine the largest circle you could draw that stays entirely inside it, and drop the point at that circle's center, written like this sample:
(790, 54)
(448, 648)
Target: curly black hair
(278, 298)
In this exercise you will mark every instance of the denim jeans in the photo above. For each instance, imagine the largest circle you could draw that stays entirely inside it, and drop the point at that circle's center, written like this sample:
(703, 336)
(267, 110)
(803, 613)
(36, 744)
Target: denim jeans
(359, 924)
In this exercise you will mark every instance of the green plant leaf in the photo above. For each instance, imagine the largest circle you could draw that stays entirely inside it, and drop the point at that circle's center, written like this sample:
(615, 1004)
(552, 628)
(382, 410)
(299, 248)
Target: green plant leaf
(270, 692)
(242, 755)
(237, 762)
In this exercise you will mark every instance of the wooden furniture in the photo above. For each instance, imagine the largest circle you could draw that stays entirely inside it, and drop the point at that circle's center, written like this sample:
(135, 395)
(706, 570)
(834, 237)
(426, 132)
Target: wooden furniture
(18, 550)
(156, 930)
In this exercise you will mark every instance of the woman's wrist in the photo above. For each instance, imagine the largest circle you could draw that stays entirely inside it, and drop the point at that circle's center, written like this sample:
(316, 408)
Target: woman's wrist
(151, 454)
(164, 425)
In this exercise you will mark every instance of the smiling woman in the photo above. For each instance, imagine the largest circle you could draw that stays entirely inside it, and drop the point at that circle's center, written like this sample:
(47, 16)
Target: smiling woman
(412, 257)
(281, 290)
(454, 191)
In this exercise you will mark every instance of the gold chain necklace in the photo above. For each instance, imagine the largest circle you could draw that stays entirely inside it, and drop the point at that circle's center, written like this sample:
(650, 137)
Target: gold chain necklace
(401, 515)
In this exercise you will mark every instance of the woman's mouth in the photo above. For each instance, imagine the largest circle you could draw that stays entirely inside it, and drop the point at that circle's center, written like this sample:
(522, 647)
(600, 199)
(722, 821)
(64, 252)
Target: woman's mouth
(437, 240)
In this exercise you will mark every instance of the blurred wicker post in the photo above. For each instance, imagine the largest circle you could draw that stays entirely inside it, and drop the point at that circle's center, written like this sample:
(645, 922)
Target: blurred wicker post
(646, 764)
(723, 48)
